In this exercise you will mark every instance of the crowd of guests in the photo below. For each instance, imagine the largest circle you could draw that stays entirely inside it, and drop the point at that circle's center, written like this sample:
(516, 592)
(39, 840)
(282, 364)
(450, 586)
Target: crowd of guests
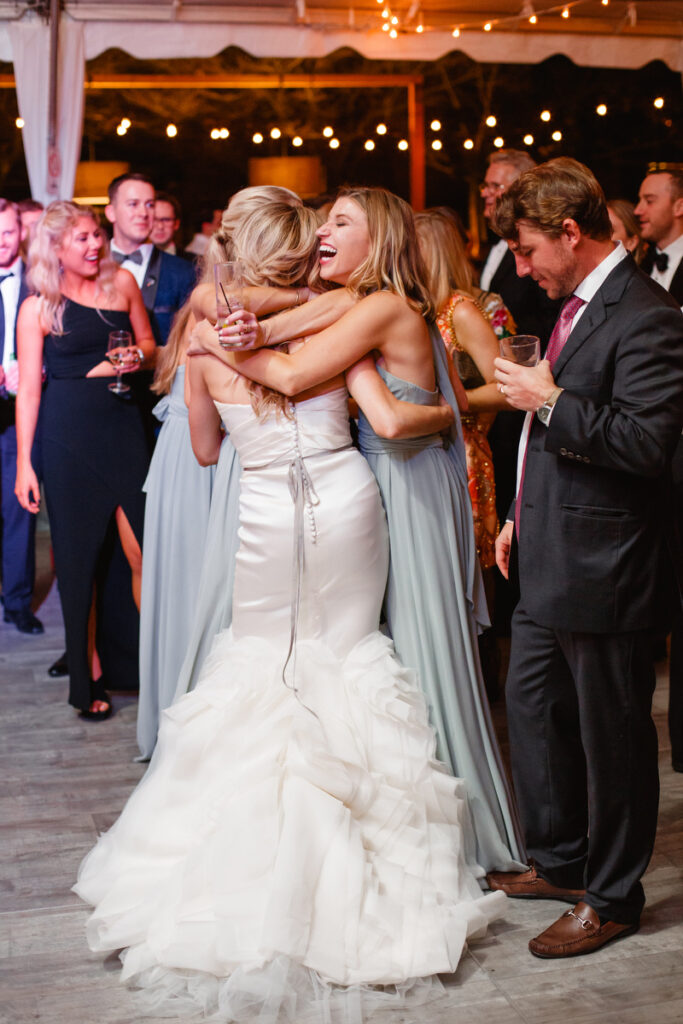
(145, 519)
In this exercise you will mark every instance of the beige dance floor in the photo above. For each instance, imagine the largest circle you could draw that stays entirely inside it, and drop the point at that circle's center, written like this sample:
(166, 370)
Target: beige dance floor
(64, 780)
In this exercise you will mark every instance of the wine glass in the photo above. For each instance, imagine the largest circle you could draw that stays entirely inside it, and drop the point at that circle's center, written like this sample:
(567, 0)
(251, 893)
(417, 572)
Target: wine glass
(524, 349)
(118, 342)
(229, 295)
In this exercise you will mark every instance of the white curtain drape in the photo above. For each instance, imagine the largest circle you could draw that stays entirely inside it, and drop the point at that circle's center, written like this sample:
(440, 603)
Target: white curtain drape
(31, 57)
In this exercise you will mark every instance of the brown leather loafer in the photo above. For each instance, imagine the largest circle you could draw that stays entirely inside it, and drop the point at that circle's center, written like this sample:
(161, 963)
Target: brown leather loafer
(576, 933)
(528, 885)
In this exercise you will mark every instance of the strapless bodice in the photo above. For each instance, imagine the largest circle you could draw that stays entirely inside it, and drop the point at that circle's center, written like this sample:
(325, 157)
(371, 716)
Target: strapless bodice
(319, 424)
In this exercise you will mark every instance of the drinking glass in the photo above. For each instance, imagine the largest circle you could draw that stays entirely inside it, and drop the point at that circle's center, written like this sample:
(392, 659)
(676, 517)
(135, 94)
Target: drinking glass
(119, 342)
(524, 349)
(229, 295)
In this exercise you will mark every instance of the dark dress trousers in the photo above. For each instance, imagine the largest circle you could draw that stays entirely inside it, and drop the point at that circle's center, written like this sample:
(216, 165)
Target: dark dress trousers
(18, 525)
(591, 541)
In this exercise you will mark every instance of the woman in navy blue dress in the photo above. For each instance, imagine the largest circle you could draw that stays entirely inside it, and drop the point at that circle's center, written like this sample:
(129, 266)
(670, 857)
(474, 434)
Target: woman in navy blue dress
(95, 455)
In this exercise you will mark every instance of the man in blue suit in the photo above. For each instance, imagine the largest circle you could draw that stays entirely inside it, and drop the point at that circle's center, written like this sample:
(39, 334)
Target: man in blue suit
(18, 525)
(164, 280)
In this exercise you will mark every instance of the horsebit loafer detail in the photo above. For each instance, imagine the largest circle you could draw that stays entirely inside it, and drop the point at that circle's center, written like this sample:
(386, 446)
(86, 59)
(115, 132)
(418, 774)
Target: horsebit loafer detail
(528, 885)
(578, 932)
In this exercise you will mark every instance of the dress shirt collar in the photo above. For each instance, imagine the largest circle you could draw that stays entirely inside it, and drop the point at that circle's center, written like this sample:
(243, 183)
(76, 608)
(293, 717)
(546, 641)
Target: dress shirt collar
(592, 283)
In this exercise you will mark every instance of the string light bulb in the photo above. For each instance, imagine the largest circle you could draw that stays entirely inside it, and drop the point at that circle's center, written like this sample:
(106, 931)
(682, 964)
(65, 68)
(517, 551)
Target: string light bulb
(456, 33)
(420, 28)
(557, 136)
(394, 20)
(499, 142)
(491, 121)
(297, 141)
(125, 122)
(601, 109)
(385, 13)
(328, 132)
(437, 144)
(605, 3)
(533, 19)
(468, 144)
(223, 133)
(658, 103)
(386, 26)
(545, 115)
(275, 133)
(334, 143)
(565, 12)
(528, 140)
(381, 129)
(20, 122)
(171, 131)
(403, 145)
(257, 138)
(435, 125)
(120, 130)
(215, 133)
(393, 34)
(488, 26)
(369, 145)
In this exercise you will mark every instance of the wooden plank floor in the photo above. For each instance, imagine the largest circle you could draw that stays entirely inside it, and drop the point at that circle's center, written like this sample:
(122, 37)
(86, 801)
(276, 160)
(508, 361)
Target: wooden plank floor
(65, 780)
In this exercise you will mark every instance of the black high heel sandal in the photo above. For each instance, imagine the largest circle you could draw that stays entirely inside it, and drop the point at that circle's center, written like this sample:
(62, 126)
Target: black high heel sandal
(98, 692)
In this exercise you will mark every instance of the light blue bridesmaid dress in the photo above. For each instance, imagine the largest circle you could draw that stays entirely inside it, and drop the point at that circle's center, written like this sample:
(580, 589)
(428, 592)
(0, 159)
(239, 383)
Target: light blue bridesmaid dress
(212, 610)
(435, 607)
(176, 517)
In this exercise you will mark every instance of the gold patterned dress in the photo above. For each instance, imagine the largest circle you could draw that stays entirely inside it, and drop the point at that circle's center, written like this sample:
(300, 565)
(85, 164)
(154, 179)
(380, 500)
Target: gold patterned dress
(476, 425)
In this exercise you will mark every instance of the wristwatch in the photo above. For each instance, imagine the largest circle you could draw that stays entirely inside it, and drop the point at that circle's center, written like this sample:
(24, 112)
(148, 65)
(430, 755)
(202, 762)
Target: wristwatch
(543, 412)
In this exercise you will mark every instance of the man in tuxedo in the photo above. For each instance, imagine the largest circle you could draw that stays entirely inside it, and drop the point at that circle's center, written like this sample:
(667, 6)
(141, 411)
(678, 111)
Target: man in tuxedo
(18, 525)
(164, 280)
(660, 212)
(604, 412)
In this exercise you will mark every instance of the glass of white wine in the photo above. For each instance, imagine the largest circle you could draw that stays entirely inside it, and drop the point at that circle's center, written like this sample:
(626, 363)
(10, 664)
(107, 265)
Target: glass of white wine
(117, 353)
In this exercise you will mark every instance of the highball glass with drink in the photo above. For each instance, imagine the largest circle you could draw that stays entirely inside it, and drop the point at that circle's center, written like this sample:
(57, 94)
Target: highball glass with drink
(524, 349)
(229, 296)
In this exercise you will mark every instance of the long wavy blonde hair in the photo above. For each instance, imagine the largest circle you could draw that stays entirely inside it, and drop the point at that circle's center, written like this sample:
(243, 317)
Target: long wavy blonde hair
(445, 256)
(270, 231)
(44, 275)
(394, 262)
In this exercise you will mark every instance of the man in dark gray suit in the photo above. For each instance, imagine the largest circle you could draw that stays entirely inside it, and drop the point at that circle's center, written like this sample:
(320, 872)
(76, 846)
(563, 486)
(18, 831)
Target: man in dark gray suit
(604, 413)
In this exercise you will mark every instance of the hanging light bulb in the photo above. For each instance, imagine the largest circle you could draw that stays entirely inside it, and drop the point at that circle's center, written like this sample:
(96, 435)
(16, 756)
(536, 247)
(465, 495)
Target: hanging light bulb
(488, 26)
(20, 122)
(394, 20)
(468, 144)
(297, 141)
(437, 144)
(658, 103)
(334, 143)
(257, 138)
(435, 125)
(328, 132)
(605, 3)
(491, 121)
(533, 19)
(420, 28)
(393, 34)
(545, 115)
(528, 140)
(120, 130)
(456, 33)
(565, 12)
(385, 26)
(557, 136)
(601, 109)
(385, 13)
(215, 133)
(499, 142)
(171, 131)
(275, 133)
(369, 145)
(125, 122)
(403, 144)
(224, 133)
(381, 129)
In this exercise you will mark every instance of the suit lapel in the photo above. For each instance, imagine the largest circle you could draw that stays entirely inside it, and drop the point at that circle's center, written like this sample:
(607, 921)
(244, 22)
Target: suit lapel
(597, 311)
(676, 286)
(150, 284)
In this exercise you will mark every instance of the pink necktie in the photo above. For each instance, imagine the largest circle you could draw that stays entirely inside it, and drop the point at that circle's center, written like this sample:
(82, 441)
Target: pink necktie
(561, 332)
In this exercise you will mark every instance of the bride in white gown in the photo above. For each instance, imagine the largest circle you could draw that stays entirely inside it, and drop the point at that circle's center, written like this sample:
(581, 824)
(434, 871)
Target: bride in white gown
(294, 840)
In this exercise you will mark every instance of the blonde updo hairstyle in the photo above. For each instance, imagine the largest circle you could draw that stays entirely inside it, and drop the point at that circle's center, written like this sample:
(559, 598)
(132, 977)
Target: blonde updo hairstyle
(445, 257)
(394, 262)
(44, 275)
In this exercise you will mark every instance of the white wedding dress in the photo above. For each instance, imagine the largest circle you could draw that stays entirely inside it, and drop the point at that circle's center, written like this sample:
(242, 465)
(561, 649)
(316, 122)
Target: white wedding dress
(292, 843)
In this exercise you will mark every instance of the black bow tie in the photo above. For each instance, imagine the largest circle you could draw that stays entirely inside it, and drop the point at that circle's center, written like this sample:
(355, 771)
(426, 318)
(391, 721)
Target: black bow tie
(661, 260)
(121, 257)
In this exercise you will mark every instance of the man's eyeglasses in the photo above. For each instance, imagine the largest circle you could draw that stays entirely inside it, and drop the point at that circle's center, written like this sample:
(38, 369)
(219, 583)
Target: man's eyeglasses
(490, 186)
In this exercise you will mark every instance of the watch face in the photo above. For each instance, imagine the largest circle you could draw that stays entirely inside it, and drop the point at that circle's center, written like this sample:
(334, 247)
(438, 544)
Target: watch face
(543, 413)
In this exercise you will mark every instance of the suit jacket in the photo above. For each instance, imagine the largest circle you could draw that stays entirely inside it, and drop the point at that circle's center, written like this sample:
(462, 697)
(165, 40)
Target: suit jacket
(533, 311)
(676, 286)
(166, 285)
(593, 502)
